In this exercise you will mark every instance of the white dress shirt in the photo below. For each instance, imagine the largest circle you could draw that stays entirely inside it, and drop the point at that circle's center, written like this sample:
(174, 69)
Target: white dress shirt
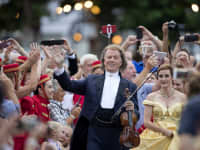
(110, 88)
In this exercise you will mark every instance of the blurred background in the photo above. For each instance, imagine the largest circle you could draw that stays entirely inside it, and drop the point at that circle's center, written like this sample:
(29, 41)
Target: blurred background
(80, 21)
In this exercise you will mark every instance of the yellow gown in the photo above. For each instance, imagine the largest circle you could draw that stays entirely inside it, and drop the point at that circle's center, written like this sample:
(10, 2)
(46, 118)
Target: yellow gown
(167, 118)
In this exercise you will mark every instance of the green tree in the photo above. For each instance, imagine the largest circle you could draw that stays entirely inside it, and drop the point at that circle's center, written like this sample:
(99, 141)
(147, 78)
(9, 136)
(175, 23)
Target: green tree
(22, 14)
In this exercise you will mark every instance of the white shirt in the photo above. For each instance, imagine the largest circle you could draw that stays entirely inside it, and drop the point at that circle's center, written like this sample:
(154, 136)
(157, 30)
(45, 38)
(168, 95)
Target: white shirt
(110, 88)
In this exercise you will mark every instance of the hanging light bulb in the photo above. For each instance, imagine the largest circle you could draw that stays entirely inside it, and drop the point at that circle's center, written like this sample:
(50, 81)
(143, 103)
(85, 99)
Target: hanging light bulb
(88, 4)
(117, 39)
(195, 8)
(59, 10)
(67, 8)
(77, 36)
(78, 6)
(95, 10)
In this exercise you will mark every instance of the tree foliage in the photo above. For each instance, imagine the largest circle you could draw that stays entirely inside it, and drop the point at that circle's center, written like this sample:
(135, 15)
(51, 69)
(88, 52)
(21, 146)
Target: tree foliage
(16, 14)
(128, 14)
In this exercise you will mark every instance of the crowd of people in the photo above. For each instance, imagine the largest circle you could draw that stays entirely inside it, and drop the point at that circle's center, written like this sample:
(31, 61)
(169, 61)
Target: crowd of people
(52, 100)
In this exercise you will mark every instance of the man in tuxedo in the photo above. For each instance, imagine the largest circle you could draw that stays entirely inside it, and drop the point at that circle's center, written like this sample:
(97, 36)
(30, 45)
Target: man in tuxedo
(104, 94)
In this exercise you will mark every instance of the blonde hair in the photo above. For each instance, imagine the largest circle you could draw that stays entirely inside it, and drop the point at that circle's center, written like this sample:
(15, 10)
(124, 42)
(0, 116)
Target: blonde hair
(53, 126)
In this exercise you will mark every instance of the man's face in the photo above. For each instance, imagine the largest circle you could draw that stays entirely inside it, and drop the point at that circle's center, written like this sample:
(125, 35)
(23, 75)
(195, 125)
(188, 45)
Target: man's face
(130, 72)
(112, 60)
(87, 67)
(49, 89)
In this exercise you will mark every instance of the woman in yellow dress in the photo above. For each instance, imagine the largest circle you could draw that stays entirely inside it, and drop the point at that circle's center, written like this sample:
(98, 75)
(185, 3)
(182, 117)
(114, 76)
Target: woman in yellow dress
(165, 105)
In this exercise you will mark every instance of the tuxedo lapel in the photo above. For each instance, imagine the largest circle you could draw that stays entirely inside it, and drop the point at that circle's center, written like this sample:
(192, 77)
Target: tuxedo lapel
(99, 87)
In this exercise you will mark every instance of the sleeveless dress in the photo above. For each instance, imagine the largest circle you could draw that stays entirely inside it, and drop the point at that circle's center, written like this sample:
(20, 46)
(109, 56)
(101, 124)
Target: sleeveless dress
(164, 117)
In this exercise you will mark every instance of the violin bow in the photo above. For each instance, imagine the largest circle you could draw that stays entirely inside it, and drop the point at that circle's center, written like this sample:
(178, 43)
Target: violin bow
(78, 102)
(131, 95)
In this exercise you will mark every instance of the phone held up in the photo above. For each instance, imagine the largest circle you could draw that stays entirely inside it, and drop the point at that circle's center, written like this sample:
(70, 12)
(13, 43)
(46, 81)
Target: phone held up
(181, 73)
(139, 33)
(52, 42)
(160, 56)
(191, 38)
(5, 44)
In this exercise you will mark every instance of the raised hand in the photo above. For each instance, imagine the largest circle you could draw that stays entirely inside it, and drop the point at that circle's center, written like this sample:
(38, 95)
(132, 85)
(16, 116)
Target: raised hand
(130, 40)
(67, 47)
(15, 44)
(147, 35)
(35, 52)
(165, 28)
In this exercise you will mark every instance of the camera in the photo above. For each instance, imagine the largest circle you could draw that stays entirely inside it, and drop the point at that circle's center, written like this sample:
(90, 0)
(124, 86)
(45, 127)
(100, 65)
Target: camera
(52, 42)
(5, 44)
(181, 73)
(172, 25)
(160, 56)
(191, 38)
(139, 33)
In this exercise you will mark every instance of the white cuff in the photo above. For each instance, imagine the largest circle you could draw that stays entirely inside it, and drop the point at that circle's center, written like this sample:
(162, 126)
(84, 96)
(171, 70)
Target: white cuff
(59, 71)
(73, 56)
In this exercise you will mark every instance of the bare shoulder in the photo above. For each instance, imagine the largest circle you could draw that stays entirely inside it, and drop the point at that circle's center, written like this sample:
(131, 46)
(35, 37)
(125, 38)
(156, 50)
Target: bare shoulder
(181, 96)
(152, 96)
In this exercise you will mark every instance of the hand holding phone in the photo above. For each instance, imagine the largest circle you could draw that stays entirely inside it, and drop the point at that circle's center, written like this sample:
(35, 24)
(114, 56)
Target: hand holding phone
(191, 38)
(5, 44)
(160, 56)
(181, 73)
(52, 42)
(139, 34)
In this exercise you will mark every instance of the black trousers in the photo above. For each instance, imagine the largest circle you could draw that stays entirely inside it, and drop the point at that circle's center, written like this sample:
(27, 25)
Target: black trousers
(103, 138)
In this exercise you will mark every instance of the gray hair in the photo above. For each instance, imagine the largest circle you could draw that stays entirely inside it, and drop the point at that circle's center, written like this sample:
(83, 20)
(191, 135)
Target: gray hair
(86, 57)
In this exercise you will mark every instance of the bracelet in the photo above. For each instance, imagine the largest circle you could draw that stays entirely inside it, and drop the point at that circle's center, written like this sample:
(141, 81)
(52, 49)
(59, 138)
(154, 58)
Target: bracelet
(72, 116)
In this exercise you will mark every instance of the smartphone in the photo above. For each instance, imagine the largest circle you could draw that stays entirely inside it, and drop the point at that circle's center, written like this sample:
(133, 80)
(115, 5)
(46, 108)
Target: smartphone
(5, 44)
(108, 29)
(139, 33)
(180, 73)
(191, 38)
(52, 42)
(160, 56)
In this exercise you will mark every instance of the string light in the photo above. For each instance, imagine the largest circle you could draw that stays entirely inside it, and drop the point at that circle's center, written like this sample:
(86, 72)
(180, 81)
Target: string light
(77, 37)
(78, 6)
(88, 4)
(95, 10)
(117, 39)
(67, 8)
(195, 8)
(59, 10)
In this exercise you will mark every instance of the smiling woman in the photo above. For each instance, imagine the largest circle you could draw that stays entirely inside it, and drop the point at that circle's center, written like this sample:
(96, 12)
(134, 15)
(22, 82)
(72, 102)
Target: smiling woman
(165, 106)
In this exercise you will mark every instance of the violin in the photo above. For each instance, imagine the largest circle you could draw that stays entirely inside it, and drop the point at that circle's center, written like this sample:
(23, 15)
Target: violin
(129, 137)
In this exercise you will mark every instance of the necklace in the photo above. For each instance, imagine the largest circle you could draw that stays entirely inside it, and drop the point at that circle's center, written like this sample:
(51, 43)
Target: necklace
(165, 95)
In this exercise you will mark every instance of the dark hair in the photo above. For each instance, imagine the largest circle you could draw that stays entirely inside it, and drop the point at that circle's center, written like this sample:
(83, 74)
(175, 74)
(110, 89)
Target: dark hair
(120, 50)
(184, 50)
(36, 92)
(165, 67)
